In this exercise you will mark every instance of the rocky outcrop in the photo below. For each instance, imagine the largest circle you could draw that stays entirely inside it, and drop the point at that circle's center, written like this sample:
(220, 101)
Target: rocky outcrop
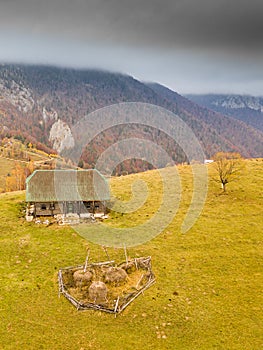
(18, 95)
(61, 137)
(49, 114)
(238, 102)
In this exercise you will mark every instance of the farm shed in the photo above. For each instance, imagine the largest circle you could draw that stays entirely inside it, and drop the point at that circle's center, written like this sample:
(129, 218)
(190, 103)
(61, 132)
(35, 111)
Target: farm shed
(52, 192)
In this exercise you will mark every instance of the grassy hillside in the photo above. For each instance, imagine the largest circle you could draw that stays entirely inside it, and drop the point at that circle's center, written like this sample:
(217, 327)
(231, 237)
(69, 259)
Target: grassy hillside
(13, 152)
(6, 166)
(208, 293)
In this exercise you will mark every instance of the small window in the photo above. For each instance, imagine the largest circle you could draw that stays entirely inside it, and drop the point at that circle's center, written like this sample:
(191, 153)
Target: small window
(43, 207)
(97, 206)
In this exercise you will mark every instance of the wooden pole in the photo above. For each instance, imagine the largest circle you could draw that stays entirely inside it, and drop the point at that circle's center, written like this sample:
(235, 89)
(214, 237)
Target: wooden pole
(125, 252)
(87, 260)
(106, 252)
(116, 306)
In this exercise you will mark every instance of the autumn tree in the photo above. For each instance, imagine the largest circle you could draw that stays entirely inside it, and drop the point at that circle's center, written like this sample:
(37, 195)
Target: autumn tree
(229, 166)
(16, 181)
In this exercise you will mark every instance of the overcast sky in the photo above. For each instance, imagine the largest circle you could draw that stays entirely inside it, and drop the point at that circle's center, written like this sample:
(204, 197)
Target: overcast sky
(191, 46)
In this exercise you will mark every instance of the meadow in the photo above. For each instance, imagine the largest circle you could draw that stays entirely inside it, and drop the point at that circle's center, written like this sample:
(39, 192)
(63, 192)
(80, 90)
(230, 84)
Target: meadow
(208, 290)
(6, 166)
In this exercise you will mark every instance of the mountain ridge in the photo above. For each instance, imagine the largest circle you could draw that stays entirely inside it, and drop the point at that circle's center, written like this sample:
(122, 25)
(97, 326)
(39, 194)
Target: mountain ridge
(211, 117)
(44, 102)
(246, 108)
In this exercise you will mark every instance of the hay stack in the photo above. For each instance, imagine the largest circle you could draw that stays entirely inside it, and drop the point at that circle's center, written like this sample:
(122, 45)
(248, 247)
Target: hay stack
(98, 292)
(82, 278)
(129, 267)
(115, 275)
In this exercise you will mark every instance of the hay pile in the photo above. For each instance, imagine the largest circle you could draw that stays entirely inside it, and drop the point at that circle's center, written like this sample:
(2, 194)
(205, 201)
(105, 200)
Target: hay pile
(82, 278)
(115, 276)
(106, 287)
(98, 292)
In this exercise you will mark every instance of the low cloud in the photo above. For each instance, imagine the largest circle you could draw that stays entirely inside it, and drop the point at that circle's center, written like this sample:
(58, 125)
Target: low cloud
(225, 25)
(169, 40)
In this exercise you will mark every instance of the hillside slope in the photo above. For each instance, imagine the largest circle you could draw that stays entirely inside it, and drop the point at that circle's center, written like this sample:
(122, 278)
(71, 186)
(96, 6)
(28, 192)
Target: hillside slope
(43, 103)
(237, 132)
(248, 109)
(208, 291)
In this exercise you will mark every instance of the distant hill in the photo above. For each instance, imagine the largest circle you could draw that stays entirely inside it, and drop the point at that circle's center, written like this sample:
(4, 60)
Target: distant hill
(249, 109)
(41, 103)
(237, 133)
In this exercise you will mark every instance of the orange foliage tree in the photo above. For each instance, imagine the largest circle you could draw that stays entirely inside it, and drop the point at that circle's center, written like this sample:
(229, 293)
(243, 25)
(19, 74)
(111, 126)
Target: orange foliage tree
(16, 181)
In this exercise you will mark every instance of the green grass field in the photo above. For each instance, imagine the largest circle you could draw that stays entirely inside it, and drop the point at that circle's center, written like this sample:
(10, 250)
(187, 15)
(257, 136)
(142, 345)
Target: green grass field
(6, 166)
(208, 292)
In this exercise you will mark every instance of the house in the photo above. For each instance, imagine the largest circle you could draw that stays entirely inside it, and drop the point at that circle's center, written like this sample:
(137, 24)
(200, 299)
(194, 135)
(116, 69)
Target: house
(52, 192)
(208, 161)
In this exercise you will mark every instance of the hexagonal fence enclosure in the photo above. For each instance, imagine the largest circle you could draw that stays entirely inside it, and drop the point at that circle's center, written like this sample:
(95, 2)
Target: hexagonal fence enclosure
(106, 286)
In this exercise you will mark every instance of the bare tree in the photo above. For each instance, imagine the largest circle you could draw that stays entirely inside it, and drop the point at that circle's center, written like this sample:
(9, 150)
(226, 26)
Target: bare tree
(228, 166)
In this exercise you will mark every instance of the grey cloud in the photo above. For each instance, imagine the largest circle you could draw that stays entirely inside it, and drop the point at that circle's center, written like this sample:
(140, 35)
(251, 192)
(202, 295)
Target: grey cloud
(229, 25)
(189, 45)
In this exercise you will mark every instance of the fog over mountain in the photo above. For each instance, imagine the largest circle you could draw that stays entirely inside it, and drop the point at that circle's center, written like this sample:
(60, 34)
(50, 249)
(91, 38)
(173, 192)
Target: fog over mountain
(195, 46)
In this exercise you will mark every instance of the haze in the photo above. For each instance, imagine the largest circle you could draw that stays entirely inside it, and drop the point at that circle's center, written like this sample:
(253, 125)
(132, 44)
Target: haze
(194, 46)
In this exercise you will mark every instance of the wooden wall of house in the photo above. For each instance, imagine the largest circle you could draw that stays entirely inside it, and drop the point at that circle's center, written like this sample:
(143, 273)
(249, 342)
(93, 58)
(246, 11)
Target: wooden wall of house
(95, 207)
(99, 207)
(47, 209)
(54, 208)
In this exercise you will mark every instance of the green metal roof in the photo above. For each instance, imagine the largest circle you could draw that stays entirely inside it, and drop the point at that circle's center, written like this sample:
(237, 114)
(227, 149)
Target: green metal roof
(66, 185)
